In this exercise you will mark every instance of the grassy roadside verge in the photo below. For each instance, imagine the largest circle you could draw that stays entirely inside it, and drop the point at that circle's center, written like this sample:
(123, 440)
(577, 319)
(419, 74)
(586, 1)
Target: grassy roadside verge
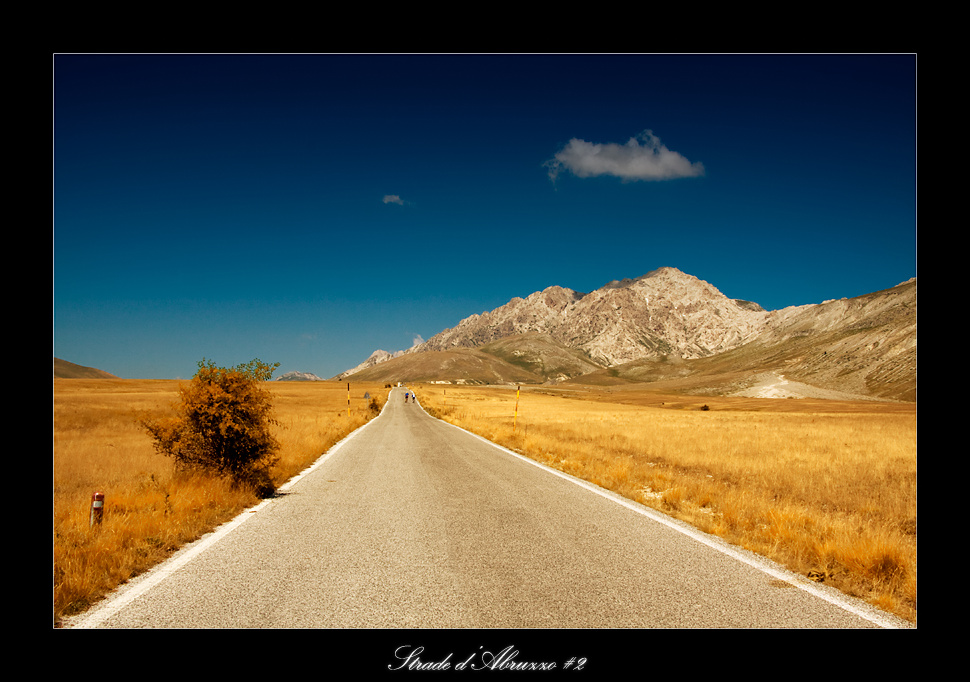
(826, 488)
(150, 510)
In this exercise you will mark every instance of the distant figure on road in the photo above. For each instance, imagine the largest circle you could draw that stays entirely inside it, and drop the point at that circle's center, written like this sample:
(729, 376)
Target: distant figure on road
(406, 394)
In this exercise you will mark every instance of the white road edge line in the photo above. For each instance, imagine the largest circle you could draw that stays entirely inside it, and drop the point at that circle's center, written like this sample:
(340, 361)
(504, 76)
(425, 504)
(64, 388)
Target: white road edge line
(759, 563)
(143, 583)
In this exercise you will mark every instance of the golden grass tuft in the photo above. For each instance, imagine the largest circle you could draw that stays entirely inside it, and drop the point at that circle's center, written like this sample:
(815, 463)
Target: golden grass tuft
(826, 488)
(150, 509)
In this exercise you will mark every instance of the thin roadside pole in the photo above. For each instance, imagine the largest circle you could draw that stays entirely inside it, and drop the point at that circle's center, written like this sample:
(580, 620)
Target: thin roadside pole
(515, 415)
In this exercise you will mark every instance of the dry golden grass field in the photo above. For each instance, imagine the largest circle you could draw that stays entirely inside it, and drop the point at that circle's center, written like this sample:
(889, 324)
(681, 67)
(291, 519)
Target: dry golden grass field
(826, 488)
(150, 511)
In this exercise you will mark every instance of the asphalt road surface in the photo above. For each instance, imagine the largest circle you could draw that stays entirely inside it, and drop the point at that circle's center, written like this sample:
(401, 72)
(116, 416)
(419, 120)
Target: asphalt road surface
(413, 523)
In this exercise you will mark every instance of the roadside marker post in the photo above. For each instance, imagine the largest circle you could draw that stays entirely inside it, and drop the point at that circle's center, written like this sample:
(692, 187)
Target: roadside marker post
(97, 508)
(515, 415)
(348, 398)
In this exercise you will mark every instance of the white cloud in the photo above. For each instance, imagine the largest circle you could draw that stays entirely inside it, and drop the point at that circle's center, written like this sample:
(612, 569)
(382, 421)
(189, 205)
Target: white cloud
(417, 340)
(393, 199)
(642, 158)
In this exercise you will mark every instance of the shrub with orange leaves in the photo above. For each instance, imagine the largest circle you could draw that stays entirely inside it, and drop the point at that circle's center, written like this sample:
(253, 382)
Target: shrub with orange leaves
(223, 425)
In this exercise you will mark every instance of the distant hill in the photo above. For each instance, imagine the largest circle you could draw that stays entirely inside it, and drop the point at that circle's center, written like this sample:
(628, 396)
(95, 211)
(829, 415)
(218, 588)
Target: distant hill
(68, 370)
(376, 358)
(670, 327)
(298, 376)
(459, 365)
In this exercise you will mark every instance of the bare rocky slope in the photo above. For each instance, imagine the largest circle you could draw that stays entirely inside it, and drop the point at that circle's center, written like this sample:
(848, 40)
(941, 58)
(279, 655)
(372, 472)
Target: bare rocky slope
(662, 312)
(667, 326)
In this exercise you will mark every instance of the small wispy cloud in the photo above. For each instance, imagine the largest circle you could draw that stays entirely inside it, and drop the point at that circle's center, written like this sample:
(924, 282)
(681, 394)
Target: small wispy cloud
(417, 341)
(393, 199)
(643, 157)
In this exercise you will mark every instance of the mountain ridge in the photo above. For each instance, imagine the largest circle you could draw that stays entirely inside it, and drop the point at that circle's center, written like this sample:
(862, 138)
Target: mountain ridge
(663, 311)
(866, 344)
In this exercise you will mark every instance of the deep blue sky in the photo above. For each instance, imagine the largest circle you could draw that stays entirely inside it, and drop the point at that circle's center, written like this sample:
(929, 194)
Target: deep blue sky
(309, 209)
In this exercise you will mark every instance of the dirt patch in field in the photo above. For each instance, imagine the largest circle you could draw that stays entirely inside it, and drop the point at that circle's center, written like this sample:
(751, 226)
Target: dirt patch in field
(775, 385)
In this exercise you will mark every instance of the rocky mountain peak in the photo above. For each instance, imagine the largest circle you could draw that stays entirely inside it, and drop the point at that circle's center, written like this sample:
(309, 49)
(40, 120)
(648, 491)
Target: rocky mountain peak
(665, 312)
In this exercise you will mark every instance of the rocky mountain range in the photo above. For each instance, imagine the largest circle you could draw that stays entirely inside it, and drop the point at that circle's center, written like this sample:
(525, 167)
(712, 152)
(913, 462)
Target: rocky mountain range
(671, 326)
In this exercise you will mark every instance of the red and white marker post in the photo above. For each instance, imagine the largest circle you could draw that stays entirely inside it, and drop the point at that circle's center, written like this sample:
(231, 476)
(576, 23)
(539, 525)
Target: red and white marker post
(97, 508)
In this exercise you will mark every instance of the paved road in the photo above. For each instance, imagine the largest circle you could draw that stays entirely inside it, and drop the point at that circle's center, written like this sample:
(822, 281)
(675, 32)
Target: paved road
(413, 523)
